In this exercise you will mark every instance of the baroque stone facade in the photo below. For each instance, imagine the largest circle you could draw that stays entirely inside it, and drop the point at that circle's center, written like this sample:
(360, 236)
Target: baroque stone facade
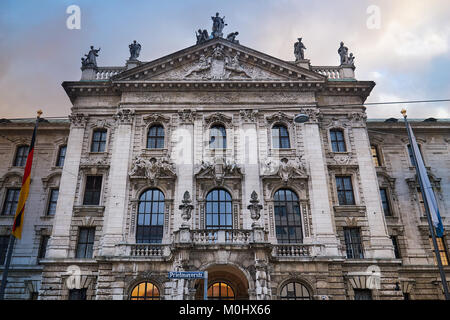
(216, 120)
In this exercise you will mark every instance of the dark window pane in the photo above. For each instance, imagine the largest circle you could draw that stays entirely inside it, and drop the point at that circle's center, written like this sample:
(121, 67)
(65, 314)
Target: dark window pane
(150, 217)
(385, 202)
(4, 241)
(61, 156)
(396, 247)
(337, 140)
(52, 202)
(295, 291)
(218, 137)
(98, 140)
(287, 217)
(353, 243)
(280, 137)
(85, 243)
(345, 190)
(11, 201)
(363, 294)
(155, 137)
(219, 210)
(93, 190)
(43, 247)
(21, 156)
(77, 294)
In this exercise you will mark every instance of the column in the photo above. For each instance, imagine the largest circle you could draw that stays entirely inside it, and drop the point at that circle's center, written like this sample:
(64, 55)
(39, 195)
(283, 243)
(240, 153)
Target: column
(116, 202)
(59, 242)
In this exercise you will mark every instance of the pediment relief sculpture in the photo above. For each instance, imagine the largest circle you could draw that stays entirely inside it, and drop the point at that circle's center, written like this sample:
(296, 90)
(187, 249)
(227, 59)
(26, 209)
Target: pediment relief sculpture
(218, 169)
(152, 169)
(155, 117)
(279, 117)
(284, 168)
(218, 117)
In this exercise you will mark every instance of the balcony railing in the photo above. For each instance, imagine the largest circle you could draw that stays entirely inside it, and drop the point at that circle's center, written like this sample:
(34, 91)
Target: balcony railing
(144, 250)
(213, 236)
(104, 73)
(296, 250)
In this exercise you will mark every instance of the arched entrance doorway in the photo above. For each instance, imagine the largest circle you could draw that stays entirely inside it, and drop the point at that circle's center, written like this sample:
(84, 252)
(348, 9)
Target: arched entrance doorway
(225, 282)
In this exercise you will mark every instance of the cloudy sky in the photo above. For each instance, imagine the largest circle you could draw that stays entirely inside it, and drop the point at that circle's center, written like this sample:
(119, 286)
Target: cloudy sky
(407, 53)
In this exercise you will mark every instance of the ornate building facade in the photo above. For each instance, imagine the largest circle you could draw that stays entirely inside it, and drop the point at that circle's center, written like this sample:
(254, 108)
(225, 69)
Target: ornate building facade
(193, 162)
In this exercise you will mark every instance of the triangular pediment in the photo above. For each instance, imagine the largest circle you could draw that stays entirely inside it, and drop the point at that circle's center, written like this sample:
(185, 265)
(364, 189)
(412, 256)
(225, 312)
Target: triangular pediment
(218, 60)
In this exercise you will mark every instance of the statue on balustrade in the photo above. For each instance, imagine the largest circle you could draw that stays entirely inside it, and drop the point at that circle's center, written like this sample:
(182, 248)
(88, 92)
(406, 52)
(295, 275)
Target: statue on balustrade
(135, 49)
(218, 25)
(90, 60)
(299, 50)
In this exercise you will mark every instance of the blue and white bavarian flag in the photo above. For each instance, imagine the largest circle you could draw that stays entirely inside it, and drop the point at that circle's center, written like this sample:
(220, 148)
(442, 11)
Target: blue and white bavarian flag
(428, 193)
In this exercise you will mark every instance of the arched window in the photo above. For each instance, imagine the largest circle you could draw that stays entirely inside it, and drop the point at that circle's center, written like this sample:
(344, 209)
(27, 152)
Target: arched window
(337, 140)
(21, 156)
(217, 137)
(295, 291)
(155, 137)
(288, 220)
(145, 291)
(150, 220)
(218, 210)
(280, 137)
(220, 291)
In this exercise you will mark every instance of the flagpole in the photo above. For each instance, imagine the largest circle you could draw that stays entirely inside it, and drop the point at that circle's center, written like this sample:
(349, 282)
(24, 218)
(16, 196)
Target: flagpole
(427, 211)
(12, 241)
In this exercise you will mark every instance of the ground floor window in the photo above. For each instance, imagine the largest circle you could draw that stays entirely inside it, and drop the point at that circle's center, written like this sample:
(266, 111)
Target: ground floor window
(220, 291)
(145, 291)
(295, 291)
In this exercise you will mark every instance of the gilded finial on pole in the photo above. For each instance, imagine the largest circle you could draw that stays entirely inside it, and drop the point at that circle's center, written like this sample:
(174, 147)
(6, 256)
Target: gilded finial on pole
(403, 112)
(39, 113)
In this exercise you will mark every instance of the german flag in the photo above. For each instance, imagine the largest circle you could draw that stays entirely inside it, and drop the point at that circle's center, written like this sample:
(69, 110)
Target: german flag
(18, 219)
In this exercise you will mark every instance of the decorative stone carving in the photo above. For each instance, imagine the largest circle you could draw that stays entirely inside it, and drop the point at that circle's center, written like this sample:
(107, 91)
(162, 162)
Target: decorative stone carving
(249, 115)
(217, 66)
(255, 208)
(155, 117)
(286, 169)
(314, 114)
(218, 117)
(124, 116)
(279, 117)
(232, 37)
(186, 208)
(78, 119)
(218, 169)
(152, 169)
(187, 115)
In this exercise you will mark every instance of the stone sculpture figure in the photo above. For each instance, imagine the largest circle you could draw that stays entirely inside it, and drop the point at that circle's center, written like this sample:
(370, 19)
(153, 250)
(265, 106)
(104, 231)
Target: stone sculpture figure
(232, 37)
(135, 49)
(299, 49)
(90, 60)
(202, 36)
(202, 65)
(218, 25)
(346, 59)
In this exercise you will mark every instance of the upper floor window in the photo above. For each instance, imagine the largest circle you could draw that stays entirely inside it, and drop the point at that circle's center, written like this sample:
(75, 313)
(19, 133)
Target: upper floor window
(61, 156)
(288, 220)
(98, 140)
(345, 190)
(53, 199)
(93, 190)
(385, 202)
(150, 220)
(353, 243)
(21, 156)
(85, 244)
(155, 137)
(218, 210)
(295, 291)
(411, 156)
(396, 247)
(145, 291)
(280, 137)
(442, 248)
(43, 246)
(337, 140)
(11, 201)
(375, 155)
(217, 137)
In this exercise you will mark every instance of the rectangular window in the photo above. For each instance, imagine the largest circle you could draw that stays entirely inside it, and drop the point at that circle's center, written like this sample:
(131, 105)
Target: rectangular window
(51, 210)
(77, 294)
(85, 243)
(61, 156)
(93, 190)
(353, 243)
(43, 247)
(21, 156)
(385, 202)
(11, 200)
(375, 155)
(4, 241)
(98, 140)
(396, 247)
(345, 190)
(363, 294)
(442, 248)
(337, 140)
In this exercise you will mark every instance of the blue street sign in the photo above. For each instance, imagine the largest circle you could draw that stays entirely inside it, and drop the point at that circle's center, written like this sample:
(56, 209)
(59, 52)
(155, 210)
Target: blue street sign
(186, 275)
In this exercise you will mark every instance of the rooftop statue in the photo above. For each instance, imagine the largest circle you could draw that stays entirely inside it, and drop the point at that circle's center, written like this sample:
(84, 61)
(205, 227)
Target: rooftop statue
(232, 37)
(202, 36)
(299, 49)
(90, 60)
(346, 59)
(135, 49)
(218, 25)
